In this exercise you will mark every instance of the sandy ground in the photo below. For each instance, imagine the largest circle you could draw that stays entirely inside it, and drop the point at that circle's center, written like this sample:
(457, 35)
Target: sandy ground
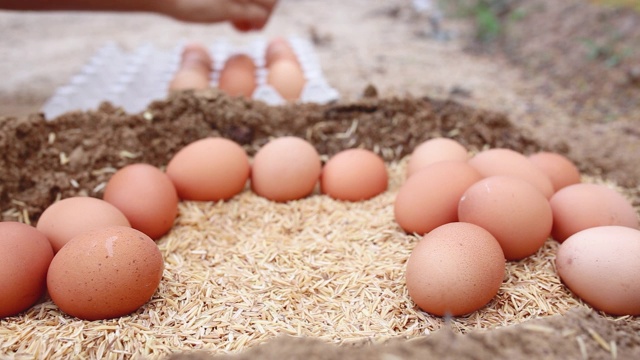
(361, 42)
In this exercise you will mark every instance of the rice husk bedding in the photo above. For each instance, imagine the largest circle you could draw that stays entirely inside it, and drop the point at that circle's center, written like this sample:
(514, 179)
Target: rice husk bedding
(314, 278)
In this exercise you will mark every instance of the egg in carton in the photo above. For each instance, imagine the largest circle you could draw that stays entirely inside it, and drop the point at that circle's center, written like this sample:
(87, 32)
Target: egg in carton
(316, 89)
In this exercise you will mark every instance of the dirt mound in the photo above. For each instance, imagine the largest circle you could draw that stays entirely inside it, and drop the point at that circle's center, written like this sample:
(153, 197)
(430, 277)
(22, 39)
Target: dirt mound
(77, 153)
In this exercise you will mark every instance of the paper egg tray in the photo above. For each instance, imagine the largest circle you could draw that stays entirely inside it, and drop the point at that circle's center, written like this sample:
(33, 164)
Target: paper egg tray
(133, 79)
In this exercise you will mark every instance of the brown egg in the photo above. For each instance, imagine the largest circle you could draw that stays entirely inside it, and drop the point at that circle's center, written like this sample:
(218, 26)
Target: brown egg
(189, 78)
(455, 269)
(286, 168)
(196, 55)
(105, 273)
(560, 170)
(429, 198)
(66, 218)
(516, 213)
(279, 48)
(209, 169)
(237, 77)
(601, 266)
(434, 150)
(511, 163)
(581, 206)
(287, 78)
(25, 255)
(146, 196)
(353, 175)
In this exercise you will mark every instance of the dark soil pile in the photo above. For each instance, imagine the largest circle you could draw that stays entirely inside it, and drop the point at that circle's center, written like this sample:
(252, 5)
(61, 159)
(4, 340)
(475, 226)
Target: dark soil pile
(73, 155)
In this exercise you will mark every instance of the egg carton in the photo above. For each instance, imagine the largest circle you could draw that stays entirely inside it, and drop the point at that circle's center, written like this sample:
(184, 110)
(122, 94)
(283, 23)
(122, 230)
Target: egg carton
(133, 79)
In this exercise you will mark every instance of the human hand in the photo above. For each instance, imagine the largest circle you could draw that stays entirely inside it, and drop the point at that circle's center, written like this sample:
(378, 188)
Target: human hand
(245, 15)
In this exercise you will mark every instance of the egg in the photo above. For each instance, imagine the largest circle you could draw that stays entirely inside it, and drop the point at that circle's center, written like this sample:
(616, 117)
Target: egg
(353, 175)
(146, 196)
(429, 198)
(581, 206)
(455, 269)
(601, 266)
(66, 218)
(560, 170)
(516, 213)
(209, 169)
(105, 273)
(434, 150)
(237, 77)
(189, 78)
(287, 78)
(511, 163)
(286, 168)
(197, 56)
(279, 48)
(25, 255)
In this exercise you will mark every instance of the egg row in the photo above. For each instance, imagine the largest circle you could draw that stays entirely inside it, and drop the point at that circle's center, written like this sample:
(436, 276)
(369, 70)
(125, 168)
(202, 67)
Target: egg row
(240, 75)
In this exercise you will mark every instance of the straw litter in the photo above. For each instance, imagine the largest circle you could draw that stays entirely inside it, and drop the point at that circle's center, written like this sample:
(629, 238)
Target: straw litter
(241, 272)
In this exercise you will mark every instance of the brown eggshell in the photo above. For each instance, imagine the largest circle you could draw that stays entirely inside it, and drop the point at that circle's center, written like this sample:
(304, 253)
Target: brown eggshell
(189, 78)
(209, 169)
(516, 213)
(287, 78)
(237, 77)
(353, 175)
(196, 55)
(146, 196)
(434, 150)
(286, 168)
(105, 273)
(560, 170)
(508, 162)
(429, 198)
(455, 269)
(25, 255)
(66, 218)
(601, 266)
(279, 48)
(581, 206)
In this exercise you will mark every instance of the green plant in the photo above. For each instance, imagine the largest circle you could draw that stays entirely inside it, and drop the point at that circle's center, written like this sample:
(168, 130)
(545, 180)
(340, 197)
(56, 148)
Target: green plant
(488, 25)
(490, 16)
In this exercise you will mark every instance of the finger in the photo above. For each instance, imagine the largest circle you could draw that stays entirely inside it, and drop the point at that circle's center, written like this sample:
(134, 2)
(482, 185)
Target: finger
(250, 12)
(267, 4)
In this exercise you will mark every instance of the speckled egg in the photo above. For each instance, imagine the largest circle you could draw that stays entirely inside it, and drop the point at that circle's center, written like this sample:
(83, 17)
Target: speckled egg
(105, 273)
(455, 269)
